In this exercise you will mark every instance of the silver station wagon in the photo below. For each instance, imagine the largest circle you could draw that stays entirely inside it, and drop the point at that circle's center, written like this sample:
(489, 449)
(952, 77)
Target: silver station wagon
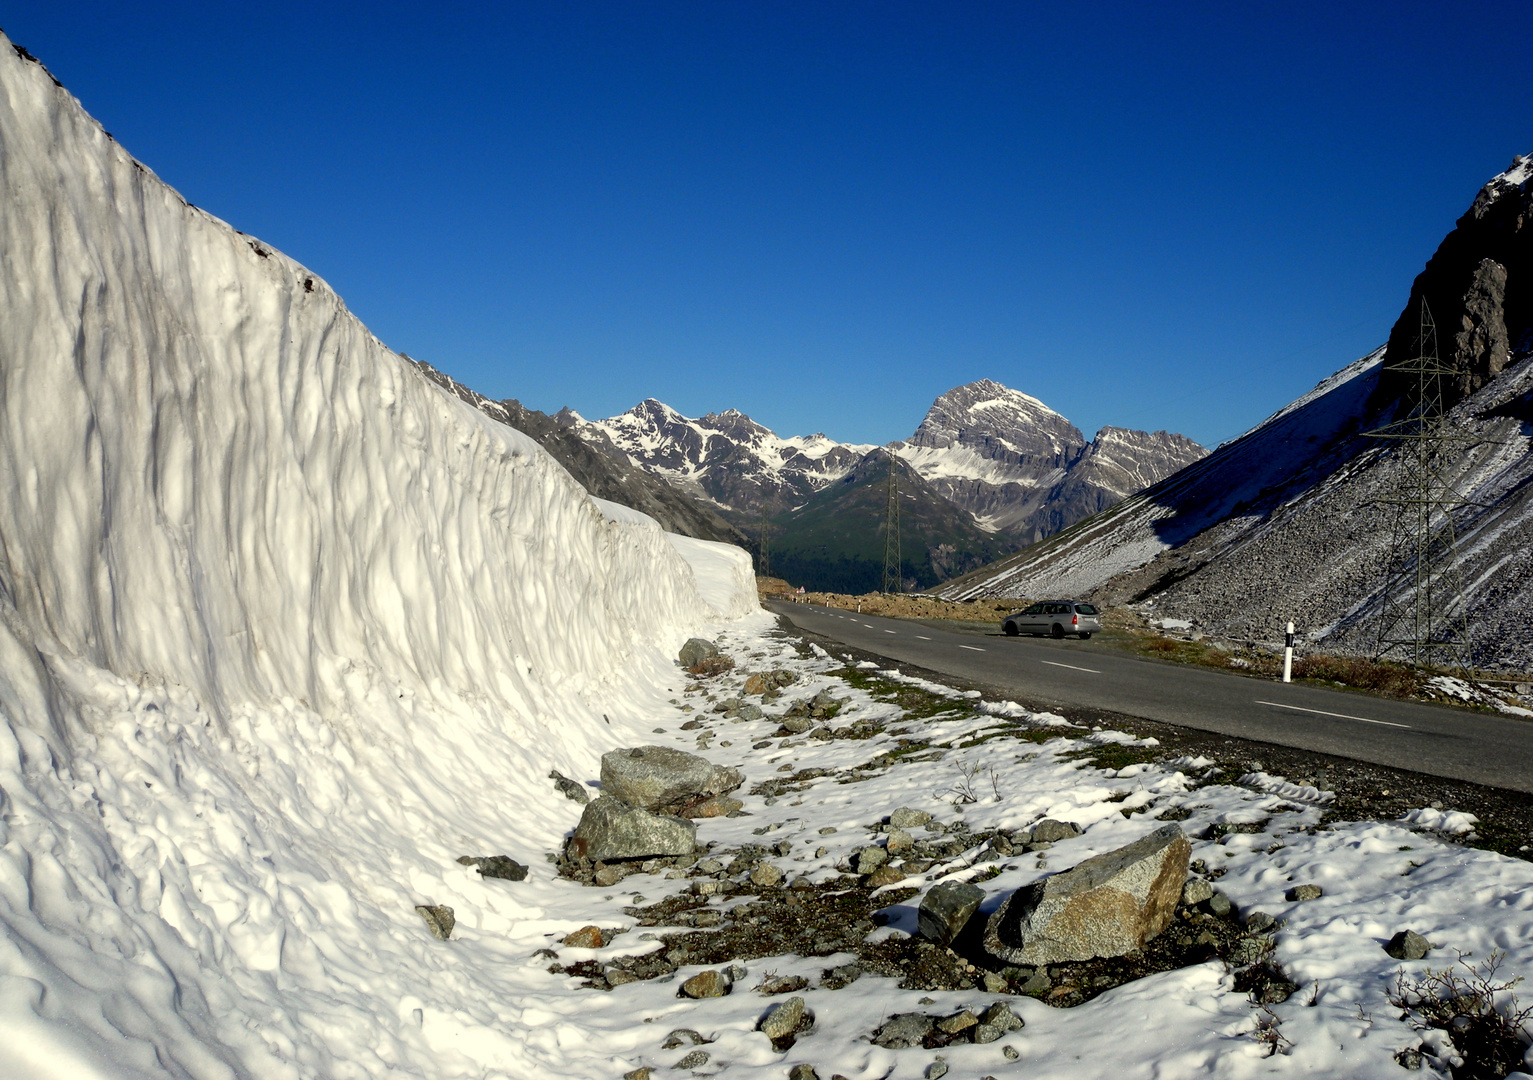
(1055, 618)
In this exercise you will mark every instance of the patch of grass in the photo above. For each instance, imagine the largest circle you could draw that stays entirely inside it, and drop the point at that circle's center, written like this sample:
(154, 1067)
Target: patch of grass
(1112, 755)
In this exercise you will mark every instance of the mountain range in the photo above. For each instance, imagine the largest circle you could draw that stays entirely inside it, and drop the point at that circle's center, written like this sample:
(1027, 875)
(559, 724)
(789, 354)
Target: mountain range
(988, 470)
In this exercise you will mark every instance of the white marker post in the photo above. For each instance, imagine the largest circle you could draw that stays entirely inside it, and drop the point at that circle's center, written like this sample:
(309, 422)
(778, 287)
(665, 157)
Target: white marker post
(1288, 656)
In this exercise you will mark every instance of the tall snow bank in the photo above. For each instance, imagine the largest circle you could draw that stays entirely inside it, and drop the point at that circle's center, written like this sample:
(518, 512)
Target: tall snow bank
(283, 630)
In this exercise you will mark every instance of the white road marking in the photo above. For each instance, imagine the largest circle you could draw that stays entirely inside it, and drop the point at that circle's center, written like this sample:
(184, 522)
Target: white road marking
(923, 637)
(890, 631)
(1339, 716)
(971, 648)
(1072, 667)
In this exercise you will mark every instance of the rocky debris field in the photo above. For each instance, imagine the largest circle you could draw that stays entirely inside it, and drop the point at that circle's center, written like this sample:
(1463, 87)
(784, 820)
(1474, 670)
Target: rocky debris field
(825, 867)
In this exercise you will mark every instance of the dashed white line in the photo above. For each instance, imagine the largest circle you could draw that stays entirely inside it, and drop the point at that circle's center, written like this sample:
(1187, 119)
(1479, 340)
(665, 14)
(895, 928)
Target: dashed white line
(971, 648)
(890, 631)
(1339, 716)
(923, 637)
(1072, 667)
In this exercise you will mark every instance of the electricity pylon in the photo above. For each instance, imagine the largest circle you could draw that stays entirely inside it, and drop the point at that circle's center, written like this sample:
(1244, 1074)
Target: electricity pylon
(1423, 616)
(763, 564)
(892, 576)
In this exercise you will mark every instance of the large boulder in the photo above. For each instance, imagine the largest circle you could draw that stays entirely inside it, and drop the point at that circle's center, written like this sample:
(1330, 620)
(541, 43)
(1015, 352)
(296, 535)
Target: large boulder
(696, 650)
(610, 830)
(946, 910)
(662, 780)
(1109, 905)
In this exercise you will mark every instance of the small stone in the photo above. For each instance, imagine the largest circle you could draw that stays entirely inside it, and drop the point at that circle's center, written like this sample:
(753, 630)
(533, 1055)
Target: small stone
(587, 937)
(803, 1071)
(946, 909)
(616, 976)
(766, 876)
(1010, 1052)
(937, 1069)
(952, 1025)
(885, 875)
(993, 983)
(1049, 831)
(985, 1033)
(904, 1029)
(827, 830)
(1409, 1058)
(821, 851)
(736, 971)
(1303, 892)
(439, 919)
(708, 887)
(749, 711)
(781, 1021)
(570, 789)
(1259, 922)
(754, 684)
(496, 866)
(695, 1060)
(907, 818)
(870, 858)
(1001, 1016)
(608, 876)
(706, 984)
(797, 725)
(683, 1037)
(1218, 904)
(1037, 983)
(786, 984)
(900, 842)
(1196, 891)
(642, 1073)
(1408, 945)
(1249, 950)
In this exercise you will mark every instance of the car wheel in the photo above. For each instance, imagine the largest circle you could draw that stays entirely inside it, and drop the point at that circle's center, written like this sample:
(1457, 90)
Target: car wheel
(1059, 632)
(1085, 635)
(1011, 629)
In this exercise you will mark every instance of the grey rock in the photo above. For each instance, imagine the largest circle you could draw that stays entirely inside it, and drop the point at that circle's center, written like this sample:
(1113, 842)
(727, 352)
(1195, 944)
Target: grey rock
(616, 976)
(871, 858)
(662, 780)
(1109, 905)
(608, 876)
(797, 725)
(496, 866)
(610, 829)
(803, 1071)
(1010, 1052)
(766, 876)
(987, 1033)
(1259, 922)
(900, 842)
(937, 1069)
(1303, 892)
(1037, 982)
(1000, 1016)
(695, 1060)
(570, 789)
(750, 711)
(993, 983)
(684, 1037)
(1408, 945)
(946, 909)
(904, 1029)
(696, 650)
(1195, 891)
(782, 1019)
(1250, 950)
(1049, 831)
(706, 984)
(958, 1022)
(642, 1073)
(1409, 1058)
(1219, 904)
(439, 919)
(908, 818)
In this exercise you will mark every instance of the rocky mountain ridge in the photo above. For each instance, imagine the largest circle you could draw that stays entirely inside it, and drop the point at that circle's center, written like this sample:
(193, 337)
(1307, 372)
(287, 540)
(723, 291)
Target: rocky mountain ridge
(1017, 466)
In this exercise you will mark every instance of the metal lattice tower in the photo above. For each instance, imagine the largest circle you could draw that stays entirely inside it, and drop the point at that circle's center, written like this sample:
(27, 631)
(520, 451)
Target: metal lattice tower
(1423, 618)
(763, 563)
(892, 578)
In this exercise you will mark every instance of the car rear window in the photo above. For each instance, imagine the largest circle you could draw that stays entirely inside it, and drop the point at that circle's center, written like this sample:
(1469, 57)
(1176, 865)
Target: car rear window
(1085, 609)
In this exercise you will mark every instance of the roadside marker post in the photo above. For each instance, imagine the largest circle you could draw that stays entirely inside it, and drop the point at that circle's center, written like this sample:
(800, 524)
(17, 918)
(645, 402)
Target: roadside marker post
(1288, 656)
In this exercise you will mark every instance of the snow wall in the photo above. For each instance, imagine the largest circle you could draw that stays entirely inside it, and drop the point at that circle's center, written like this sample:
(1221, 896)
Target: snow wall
(284, 629)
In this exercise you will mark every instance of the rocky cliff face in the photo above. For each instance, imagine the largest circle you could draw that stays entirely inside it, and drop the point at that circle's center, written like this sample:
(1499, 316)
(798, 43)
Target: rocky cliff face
(1479, 289)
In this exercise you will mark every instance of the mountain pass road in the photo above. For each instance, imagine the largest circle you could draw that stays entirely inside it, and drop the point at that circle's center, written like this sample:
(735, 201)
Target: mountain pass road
(1453, 743)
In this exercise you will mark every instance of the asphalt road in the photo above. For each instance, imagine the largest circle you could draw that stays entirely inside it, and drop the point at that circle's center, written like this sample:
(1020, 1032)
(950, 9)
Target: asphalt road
(1453, 743)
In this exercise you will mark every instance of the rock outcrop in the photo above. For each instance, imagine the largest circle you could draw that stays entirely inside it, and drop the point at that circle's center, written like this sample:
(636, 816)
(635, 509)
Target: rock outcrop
(1109, 905)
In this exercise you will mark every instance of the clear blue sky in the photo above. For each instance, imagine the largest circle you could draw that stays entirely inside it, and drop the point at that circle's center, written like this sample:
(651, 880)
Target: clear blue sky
(825, 214)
